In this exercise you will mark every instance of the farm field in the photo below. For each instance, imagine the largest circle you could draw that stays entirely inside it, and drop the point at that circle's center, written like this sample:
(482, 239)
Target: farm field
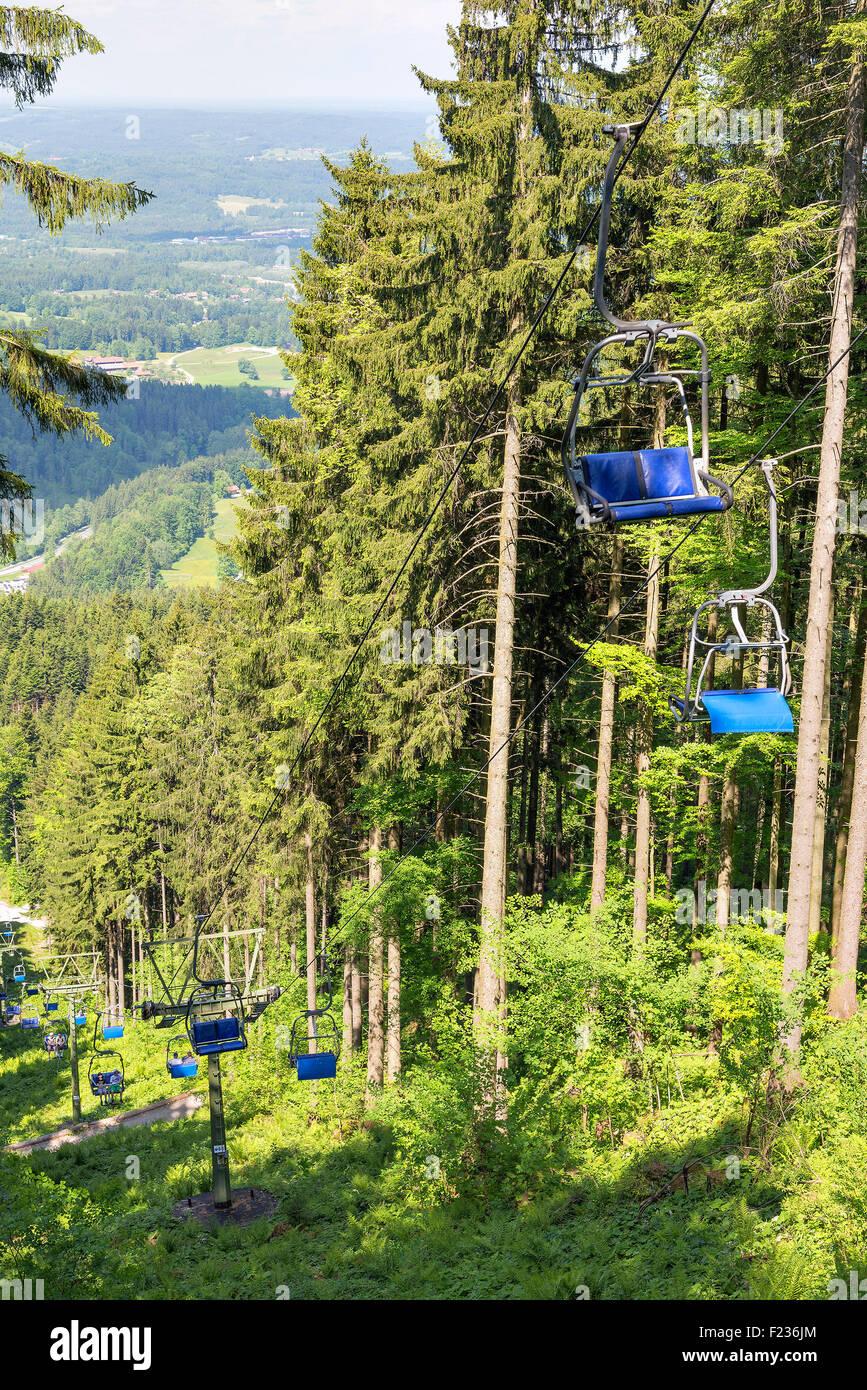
(219, 366)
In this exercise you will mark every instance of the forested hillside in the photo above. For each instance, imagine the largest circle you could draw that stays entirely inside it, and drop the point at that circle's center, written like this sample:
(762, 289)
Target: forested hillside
(598, 970)
(160, 425)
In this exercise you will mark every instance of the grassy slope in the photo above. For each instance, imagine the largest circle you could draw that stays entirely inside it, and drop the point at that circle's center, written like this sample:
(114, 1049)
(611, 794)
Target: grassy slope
(199, 565)
(352, 1225)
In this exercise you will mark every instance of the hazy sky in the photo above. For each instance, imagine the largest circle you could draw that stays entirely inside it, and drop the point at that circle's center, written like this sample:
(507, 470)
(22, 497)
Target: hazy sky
(227, 52)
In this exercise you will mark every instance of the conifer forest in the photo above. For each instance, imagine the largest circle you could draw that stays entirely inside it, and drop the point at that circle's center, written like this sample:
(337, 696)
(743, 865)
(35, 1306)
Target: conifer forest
(433, 716)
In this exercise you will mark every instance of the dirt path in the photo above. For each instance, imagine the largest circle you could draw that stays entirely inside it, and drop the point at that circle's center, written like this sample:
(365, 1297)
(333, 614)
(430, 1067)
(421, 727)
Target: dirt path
(178, 1108)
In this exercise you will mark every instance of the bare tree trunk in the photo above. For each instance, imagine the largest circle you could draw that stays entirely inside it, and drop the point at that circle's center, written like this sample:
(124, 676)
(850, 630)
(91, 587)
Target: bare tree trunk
(357, 1024)
(540, 848)
(606, 744)
(494, 868)
(392, 1043)
(824, 538)
(728, 816)
(842, 1001)
(375, 1003)
(121, 980)
(310, 924)
(818, 874)
(645, 743)
(847, 780)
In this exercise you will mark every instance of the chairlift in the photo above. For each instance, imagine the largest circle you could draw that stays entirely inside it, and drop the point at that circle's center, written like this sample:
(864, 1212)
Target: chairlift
(183, 1066)
(314, 1043)
(113, 1028)
(55, 1043)
(29, 1021)
(215, 1019)
(644, 484)
(757, 709)
(106, 1082)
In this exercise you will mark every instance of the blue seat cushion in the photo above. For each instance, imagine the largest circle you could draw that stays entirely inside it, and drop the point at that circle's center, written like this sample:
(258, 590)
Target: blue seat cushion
(647, 484)
(179, 1069)
(113, 1030)
(316, 1066)
(748, 712)
(204, 1031)
(217, 1035)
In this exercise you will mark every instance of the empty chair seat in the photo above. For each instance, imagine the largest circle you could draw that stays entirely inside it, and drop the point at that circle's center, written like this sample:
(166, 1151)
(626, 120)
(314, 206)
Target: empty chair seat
(217, 1035)
(112, 1030)
(30, 1022)
(748, 712)
(316, 1066)
(646, 485)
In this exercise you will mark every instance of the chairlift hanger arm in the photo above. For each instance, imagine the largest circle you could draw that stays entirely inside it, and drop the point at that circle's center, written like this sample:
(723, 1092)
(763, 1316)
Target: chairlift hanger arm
(622, 135)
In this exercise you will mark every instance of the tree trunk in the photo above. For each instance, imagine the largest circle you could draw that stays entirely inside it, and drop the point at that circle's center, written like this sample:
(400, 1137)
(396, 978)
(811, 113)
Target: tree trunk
(843, 1002)
(121, 980)
(540, 848)
(310, 924)
(606, 744)
(493, 895)
(645, 743)
(392, 1044)
(847, 779)
(824, 536)
(375, 1005)
(818, 874)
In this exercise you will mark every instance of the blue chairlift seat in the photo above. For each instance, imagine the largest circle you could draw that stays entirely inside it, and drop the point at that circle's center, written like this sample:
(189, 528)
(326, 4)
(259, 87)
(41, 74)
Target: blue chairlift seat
(216, 1035)
(18, 976)
(13, 1009)
(30, 1023)
(80, 1019)
(112, 1030)
(748, 712)
(32, 989)
(316, 1066)
(51, 1006)
(183, 1066)
(106, 1083)
(647, 485)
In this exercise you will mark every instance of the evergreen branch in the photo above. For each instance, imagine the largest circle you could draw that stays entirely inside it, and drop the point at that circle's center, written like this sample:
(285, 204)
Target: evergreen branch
(56, 196)
(44, 33)
(40, 383)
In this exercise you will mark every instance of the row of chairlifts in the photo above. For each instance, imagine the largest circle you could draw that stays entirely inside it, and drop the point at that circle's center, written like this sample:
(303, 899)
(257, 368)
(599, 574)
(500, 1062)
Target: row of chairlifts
(667, 482)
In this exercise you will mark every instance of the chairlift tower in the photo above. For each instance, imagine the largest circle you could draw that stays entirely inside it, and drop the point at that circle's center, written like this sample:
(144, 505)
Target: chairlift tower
(215, 1015)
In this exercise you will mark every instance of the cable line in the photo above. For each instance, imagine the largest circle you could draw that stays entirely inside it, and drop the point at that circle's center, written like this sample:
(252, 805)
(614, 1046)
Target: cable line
(459, 465)
(522, 723)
